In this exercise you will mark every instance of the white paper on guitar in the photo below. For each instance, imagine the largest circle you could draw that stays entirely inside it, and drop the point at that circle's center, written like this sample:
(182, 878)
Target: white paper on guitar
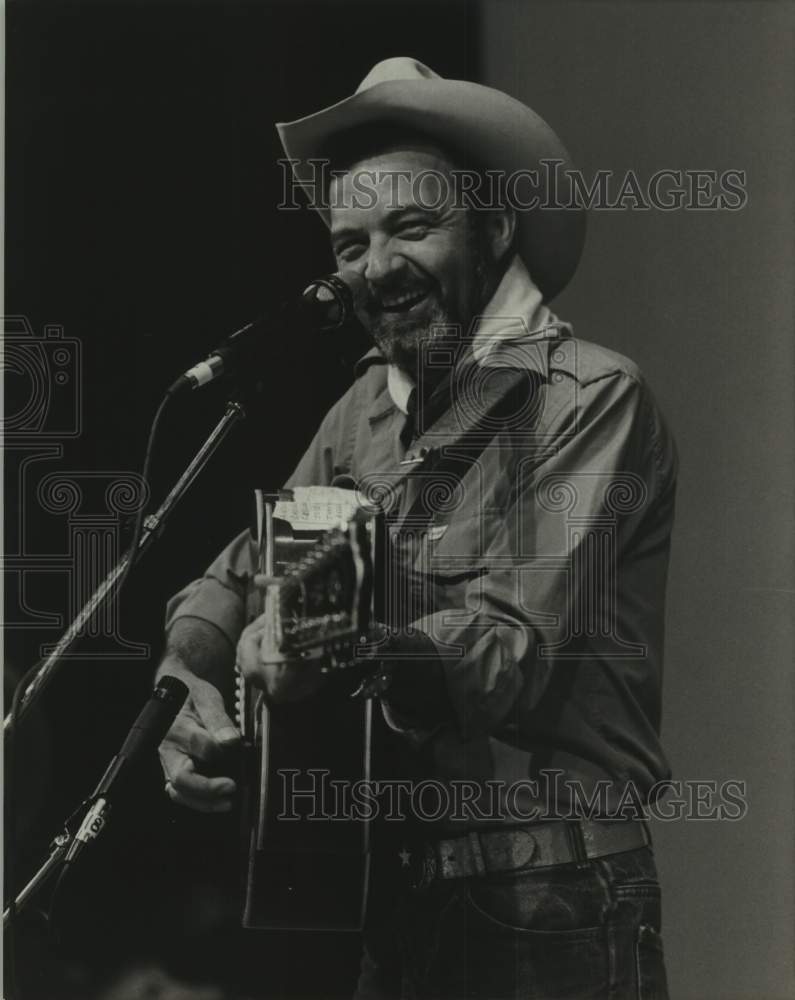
(317, 508)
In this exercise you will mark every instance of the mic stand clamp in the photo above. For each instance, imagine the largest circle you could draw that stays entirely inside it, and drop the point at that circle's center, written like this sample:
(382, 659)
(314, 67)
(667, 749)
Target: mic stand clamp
(59, 848)
(65, 847)
(146, 733)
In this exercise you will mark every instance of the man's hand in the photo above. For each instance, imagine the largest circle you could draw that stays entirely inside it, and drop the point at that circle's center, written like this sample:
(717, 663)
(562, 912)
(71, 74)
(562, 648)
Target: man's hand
(197, 740)
(282, 679)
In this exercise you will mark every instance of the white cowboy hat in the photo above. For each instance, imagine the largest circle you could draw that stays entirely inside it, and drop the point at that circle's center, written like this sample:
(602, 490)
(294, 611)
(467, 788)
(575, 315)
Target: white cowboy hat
(500, 132)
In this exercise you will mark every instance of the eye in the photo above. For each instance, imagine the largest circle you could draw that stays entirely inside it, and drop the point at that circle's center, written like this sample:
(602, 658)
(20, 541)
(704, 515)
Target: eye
(413, 230)
(349, 251)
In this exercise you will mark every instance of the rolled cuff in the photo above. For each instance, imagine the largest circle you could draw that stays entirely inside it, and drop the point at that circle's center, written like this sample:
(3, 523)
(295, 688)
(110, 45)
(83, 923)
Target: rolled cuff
(211, 601)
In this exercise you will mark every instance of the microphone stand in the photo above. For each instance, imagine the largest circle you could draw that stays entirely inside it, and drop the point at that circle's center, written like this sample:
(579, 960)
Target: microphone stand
(146, 733)
(153, 525)
(58, 850)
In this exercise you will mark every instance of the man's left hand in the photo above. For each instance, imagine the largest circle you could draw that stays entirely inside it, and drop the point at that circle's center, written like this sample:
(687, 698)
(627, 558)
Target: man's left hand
(282, 679)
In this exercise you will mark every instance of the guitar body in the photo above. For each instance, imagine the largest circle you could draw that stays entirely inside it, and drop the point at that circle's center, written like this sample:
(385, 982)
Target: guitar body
(306, 829)
(309, 869)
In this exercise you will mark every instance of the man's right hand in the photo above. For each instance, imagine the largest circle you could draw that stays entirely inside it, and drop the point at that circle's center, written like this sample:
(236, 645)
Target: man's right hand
(199, 739)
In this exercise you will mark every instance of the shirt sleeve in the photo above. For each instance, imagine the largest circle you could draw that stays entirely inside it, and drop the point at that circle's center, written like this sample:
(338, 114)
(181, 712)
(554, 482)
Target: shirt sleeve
(219, 596)
(612, 464)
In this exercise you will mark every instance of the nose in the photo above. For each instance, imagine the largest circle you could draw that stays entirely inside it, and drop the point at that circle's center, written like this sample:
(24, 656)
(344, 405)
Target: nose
(382, 265)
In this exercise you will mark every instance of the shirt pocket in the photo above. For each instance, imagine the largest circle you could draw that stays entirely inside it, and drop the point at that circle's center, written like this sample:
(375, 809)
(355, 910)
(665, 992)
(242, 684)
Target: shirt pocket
(435, 566)
(456, 549)
(456, 562)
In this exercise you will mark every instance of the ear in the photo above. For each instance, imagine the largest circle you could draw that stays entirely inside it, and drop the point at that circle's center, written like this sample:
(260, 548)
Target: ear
(500, 229)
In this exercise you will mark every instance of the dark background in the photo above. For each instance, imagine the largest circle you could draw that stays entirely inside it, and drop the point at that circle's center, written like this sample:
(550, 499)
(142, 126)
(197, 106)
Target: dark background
(140, 215)
(141, 194)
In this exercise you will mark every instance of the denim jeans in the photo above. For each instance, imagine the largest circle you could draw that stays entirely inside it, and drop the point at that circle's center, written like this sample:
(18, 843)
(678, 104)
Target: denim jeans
(559, 933)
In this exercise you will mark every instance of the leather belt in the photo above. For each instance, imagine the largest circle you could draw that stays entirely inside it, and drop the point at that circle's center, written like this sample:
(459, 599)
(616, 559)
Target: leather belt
(537, 845)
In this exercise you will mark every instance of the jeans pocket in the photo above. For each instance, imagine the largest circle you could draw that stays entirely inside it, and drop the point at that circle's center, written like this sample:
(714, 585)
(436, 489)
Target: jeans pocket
(500, 919)
(565, 899)
(508, 960)
(650, 964)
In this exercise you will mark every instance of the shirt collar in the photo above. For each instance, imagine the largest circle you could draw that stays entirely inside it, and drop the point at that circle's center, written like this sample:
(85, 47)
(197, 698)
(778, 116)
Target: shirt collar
(516, 309)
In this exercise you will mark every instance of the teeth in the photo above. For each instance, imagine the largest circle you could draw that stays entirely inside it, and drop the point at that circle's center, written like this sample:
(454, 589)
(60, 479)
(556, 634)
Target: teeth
(402, 300)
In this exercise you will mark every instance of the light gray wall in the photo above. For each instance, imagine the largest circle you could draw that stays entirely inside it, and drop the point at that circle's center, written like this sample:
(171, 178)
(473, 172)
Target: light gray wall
(703, 302)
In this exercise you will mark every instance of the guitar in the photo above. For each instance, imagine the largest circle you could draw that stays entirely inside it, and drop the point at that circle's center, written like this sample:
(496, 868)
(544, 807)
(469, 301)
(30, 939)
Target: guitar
(307, 858)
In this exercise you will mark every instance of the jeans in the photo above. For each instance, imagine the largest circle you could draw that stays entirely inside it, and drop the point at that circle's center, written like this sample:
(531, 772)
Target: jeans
(559, 933)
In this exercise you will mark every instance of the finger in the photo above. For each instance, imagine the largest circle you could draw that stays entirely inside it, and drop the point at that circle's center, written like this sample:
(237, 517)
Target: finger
(172, 760)
(187, 781)
(250, 641)
(209, 705)
(249, 654)
(197, 803)
(257, 659)
(262, 580)
(193, 739)
(255, 627)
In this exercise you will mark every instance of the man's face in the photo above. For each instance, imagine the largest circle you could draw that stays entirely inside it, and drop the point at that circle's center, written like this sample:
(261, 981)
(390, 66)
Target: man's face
(423, 264)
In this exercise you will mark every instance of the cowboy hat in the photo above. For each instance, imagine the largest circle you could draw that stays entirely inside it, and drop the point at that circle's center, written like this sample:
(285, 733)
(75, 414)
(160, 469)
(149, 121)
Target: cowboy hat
(498, 131)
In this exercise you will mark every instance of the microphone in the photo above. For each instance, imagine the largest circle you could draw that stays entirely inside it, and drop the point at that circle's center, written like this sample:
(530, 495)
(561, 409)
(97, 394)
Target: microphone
(325, 304)
(146, 734)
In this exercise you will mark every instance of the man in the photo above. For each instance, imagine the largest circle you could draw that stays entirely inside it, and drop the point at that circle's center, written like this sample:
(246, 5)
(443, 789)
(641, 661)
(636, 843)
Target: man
(531, 485)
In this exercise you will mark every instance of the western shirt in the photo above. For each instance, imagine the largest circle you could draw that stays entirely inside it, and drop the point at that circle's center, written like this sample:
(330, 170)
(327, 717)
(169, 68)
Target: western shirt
(530, 521)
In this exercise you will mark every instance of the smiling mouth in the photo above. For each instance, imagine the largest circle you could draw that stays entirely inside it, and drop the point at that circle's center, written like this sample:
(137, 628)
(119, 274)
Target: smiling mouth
(402, 303)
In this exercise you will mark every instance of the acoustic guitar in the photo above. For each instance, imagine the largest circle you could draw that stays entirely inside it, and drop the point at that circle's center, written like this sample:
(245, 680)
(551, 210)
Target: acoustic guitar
(307, 850)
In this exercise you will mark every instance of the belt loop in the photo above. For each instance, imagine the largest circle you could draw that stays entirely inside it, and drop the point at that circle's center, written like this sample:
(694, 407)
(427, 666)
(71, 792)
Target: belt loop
(477, 852)
(576, 842)
(647, 841)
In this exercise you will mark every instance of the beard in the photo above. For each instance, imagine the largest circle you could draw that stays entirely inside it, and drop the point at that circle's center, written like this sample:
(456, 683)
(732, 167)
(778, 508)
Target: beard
(404, 339)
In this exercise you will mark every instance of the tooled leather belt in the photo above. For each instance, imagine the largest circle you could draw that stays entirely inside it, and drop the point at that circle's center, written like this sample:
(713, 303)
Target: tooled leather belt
(537, 845)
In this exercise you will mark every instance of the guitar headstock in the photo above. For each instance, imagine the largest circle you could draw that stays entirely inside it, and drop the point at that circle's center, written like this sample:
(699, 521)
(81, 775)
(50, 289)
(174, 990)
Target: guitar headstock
(325, 597)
